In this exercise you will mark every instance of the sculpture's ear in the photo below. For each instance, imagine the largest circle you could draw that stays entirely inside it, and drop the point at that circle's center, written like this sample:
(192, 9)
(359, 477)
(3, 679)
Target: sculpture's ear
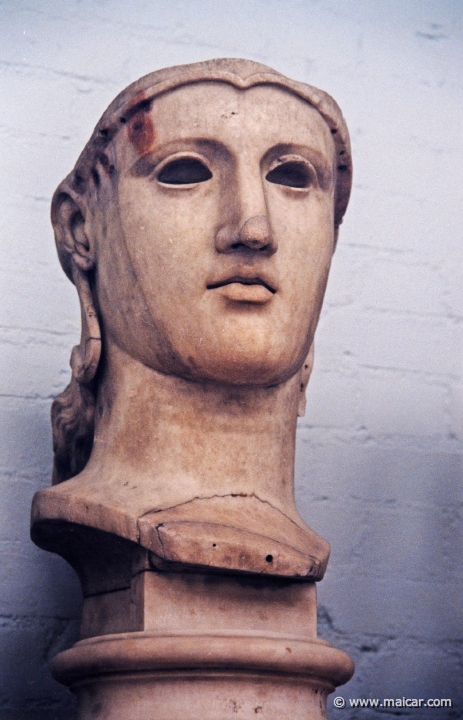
(77, 256)
(304, 378)
(72, 242)
(85, 357)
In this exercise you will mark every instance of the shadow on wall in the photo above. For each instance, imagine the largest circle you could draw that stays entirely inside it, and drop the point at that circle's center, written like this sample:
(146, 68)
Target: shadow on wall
(391, 595)
(40, 598)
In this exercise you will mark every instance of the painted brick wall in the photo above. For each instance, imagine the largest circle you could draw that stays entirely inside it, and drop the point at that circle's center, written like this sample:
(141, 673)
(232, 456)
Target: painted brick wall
(379, 453)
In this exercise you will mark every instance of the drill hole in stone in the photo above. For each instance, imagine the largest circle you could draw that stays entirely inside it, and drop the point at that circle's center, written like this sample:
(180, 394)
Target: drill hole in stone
(96, 177)
(269, 558)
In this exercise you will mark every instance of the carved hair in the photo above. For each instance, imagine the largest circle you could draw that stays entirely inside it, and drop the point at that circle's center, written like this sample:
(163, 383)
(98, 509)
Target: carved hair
(73, 423)
(73, 410)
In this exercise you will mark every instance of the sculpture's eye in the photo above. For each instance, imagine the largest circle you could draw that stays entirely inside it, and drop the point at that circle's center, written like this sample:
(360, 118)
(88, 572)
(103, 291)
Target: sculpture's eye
(184, 171)
(293, 173)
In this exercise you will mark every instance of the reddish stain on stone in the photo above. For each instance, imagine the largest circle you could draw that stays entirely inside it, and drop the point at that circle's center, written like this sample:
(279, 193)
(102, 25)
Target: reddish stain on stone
(141, 127)
(141, 132)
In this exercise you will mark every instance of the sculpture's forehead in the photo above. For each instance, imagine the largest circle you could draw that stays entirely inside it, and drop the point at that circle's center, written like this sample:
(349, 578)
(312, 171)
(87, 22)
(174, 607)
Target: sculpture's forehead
(217, 110)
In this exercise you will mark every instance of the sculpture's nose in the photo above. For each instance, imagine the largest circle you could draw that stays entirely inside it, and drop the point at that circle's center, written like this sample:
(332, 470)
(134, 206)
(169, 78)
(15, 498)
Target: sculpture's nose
(254, 234)
(248, 227)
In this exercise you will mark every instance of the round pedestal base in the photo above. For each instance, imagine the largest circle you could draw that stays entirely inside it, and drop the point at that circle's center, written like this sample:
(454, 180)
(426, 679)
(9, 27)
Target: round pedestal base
(138, 676)
(200, 696)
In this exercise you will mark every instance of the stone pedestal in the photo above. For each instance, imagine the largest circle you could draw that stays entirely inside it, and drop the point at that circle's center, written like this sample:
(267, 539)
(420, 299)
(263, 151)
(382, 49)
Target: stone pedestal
(195, 625)
(201, 677)
(209, 647)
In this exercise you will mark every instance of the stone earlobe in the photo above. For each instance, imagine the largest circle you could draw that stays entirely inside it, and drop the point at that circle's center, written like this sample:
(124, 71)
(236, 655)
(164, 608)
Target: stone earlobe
(85, 357)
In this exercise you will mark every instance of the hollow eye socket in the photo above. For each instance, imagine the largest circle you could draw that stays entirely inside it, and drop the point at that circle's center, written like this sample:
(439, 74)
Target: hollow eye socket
(291, 174)
(184, 171)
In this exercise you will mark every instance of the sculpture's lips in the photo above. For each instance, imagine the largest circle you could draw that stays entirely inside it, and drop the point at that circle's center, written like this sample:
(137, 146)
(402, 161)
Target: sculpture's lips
(244, 289)
(242, 281)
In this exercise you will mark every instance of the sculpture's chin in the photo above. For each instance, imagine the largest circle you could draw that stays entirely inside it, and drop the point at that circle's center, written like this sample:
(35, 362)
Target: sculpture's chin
(220, 354)
(245, 367)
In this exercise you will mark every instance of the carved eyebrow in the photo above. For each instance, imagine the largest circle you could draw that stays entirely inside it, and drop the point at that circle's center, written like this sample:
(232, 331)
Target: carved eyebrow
(322, 166)
(145, 165)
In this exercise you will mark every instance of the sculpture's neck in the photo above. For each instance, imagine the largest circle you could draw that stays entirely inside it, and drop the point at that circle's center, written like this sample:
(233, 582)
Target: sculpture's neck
(180, 439)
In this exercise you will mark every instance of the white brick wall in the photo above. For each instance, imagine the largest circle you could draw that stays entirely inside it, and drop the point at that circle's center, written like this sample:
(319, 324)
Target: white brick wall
(379, 452)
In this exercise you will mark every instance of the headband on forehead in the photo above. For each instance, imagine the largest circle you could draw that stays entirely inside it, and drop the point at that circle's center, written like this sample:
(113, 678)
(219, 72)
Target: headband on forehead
(241, 74)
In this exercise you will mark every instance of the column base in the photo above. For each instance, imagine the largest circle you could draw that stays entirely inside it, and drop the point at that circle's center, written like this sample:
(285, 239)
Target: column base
(145, 676)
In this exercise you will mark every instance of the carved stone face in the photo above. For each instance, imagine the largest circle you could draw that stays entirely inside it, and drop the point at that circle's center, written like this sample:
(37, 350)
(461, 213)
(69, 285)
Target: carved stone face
(218, 248)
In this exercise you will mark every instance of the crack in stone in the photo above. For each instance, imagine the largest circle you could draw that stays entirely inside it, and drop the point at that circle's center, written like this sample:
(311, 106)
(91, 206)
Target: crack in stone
(211, 497)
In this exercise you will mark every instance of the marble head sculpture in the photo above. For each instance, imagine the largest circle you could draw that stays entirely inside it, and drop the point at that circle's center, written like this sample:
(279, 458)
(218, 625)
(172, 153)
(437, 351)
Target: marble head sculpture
(198, 227)
(128, 123)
